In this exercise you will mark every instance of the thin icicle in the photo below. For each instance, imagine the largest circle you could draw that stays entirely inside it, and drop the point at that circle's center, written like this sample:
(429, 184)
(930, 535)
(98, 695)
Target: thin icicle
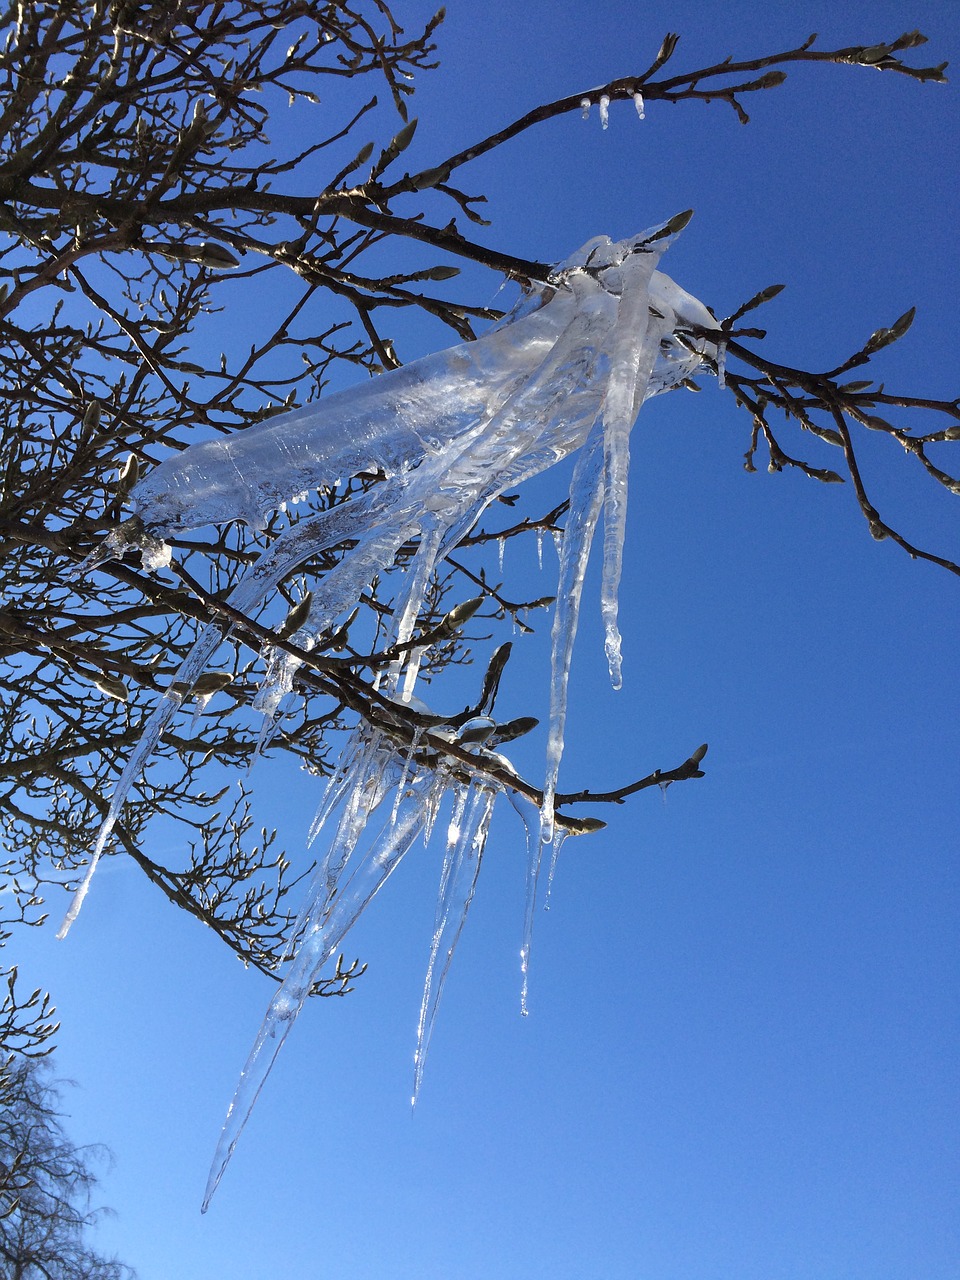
(586, 497)
(722, 365)
(417, 580)
(337, 784)
(585, 108)
(638, 103)
(369, 783)
(559, 838)
(466, 838)
(604, 110)
(277, 682)
(132, 770)
(374, 772)
(530, 817)
(432, 803)
(406, 773)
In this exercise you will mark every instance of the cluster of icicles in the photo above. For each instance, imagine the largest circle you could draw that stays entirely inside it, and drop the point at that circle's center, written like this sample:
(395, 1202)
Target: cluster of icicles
(566, 371)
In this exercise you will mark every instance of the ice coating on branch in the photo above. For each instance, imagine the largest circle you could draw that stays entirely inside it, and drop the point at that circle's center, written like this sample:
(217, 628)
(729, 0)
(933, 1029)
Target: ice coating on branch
(565, 372)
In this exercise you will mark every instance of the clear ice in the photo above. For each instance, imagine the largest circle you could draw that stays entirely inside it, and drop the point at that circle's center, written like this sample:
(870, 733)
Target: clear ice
(566, 371)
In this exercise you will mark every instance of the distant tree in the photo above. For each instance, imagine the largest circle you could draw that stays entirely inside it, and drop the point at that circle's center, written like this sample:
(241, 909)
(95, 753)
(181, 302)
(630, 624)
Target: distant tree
(46, 1184)
(140, 197)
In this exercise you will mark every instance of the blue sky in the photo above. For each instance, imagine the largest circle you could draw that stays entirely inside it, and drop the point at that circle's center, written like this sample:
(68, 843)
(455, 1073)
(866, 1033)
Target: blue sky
(741, 1060)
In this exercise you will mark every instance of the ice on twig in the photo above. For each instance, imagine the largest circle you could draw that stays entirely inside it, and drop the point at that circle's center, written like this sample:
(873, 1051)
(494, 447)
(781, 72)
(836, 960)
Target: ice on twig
(638, 103)
(604, 110)
(565, 372)
(585, 108)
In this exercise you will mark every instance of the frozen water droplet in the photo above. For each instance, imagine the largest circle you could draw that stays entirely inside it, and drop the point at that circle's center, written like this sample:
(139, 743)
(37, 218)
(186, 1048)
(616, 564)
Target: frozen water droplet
(638, 103)
(585, 108)
(155, 554)
(604, 110)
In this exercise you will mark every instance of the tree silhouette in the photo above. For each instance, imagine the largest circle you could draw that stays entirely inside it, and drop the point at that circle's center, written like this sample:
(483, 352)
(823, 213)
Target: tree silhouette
(46, 1184)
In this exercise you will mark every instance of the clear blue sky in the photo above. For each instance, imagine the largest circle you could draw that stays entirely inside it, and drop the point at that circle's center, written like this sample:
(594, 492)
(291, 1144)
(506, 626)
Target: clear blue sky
(741, 1062)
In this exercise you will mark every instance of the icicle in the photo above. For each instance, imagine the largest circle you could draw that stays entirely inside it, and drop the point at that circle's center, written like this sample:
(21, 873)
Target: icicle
(466, 838)
(636, 344)
(319, 945)
(411, 671)
(501, 543)
(604, 110)
(586, 495)
(277, 681)
(722, 364)
(282, 667)
(369, 783)
(374, 771)
(585, 108)
(432, 803)
(337, 784)
(131, 772)
(200, 705)
(530, 817)
(540, 550)
(638, 103)
(417, 579)
(558, 841)
(405, 775)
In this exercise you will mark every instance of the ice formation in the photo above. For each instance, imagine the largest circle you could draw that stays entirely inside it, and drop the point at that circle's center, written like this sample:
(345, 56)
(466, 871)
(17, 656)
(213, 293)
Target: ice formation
(567, 370)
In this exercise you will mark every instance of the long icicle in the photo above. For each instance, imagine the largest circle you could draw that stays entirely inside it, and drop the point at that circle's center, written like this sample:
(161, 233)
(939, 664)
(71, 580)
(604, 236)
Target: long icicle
(635, 347)
(586, 499)
(530, 816)
(466, 840)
